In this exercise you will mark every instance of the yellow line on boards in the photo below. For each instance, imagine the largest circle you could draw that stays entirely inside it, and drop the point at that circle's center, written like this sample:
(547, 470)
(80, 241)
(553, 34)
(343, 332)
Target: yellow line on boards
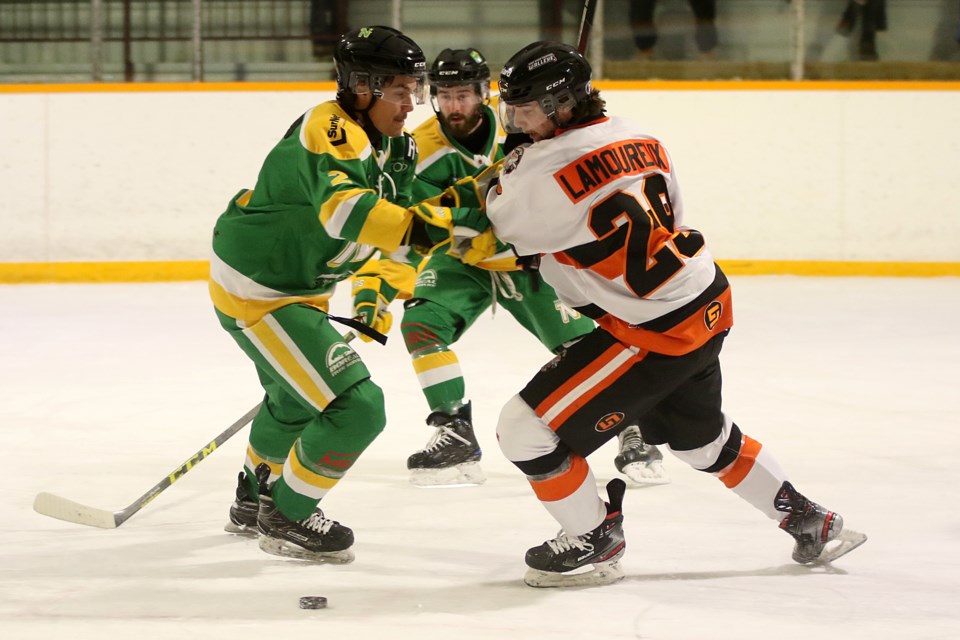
(839, 268)
(47, 272)
(103, 272)
(166, 87)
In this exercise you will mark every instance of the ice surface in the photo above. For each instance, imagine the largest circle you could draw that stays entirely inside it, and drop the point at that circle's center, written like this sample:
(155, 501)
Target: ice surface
(852, 383)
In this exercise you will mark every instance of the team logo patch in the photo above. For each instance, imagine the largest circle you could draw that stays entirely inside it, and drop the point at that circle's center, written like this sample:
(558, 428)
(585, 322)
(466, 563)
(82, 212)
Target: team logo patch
(339, 357)
(609, 421)
(513, 160)
(427, 278)
(711, 315)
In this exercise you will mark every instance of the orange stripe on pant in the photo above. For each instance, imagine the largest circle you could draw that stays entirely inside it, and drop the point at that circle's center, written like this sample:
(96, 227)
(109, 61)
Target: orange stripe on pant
(587, 396)
(561, 391)
(736, 472)
(563, 485)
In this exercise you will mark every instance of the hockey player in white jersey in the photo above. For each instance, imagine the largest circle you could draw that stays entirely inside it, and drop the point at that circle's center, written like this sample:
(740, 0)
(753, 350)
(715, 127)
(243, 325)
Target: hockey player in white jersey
(594, 203)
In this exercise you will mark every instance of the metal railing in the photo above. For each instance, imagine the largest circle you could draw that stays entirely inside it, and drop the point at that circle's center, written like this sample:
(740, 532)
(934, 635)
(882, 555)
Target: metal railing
(135, 40)
(101, 31)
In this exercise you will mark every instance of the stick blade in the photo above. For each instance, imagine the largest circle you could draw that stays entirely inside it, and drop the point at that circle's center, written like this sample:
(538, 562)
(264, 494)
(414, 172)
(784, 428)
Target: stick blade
(54, 506)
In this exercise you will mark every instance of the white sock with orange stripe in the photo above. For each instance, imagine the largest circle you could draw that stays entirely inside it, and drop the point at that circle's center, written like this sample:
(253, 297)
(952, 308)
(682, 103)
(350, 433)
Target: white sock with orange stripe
(755, 476)
(574, 502)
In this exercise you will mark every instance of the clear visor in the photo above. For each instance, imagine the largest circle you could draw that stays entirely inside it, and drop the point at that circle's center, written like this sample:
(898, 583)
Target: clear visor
(394, 89)
(526, 116)
(461, 97)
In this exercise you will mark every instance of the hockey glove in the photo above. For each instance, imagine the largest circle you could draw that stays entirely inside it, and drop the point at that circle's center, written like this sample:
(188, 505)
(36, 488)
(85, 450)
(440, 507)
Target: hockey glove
(488, 178)
(472, 239)
(370, 306)
(431, 226)
(399, 169)
(475, 248)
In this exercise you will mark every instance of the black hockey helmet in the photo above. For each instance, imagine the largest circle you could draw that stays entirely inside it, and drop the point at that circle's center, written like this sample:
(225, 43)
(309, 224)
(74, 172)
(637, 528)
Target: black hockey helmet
(455, 67)
(371, 56)
(553, 73)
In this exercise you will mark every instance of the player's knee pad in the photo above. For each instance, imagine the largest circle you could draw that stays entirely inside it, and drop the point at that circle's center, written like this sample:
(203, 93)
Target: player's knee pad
(426, 324)
(359, 410)
(717, 454)
(522, 435)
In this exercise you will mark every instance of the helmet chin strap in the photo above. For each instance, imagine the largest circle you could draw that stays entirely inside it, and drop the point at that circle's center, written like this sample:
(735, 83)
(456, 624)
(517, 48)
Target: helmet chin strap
(349, 103)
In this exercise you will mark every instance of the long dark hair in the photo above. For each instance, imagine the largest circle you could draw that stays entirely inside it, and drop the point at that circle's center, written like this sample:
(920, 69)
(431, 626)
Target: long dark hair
(590, 109)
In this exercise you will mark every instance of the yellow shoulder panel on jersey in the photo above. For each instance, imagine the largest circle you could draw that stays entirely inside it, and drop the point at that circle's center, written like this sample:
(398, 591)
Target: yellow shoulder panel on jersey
(431, 143)
(328, 129)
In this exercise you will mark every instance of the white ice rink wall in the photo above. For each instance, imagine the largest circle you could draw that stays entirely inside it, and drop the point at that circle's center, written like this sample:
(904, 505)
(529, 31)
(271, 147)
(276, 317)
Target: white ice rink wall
(812, 173)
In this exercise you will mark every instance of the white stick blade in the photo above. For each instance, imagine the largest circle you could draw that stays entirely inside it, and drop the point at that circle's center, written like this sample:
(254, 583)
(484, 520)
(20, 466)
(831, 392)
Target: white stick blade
(62, 509)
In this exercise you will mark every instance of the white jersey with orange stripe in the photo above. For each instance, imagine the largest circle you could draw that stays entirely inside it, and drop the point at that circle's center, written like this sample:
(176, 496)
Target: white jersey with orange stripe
(601, 205)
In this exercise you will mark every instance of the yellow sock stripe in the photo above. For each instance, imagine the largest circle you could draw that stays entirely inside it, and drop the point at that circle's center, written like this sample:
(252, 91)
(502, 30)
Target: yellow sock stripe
(254, 460)
(303, 480)
(282, 353)
(436, 368)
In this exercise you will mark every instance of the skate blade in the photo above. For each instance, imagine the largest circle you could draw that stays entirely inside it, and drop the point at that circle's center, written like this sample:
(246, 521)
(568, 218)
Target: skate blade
(603, 573)
(467, 474)
(289, 550)
(646, 474)
(241, 530)
(847, 541)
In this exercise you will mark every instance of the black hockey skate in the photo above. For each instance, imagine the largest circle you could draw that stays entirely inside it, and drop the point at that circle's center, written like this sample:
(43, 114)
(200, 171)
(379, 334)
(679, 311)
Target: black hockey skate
(452, 456)
(642, 463)
(243, 511)
(315, 538)
(813, 527)
(555, 562)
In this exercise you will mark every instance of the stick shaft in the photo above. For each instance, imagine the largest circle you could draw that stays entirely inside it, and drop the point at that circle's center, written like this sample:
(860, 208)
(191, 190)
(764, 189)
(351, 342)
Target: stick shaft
(586, 24)
(55, 506)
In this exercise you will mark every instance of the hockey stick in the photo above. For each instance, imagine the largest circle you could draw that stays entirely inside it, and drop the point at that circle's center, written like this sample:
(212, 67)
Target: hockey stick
(60, 508)
(586, 24)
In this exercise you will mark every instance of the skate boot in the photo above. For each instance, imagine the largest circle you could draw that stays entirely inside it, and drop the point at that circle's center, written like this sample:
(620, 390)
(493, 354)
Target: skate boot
(243, 511)
(813, 527)
(452, 456)
(315, 538)
(642, 463)
(555, 562)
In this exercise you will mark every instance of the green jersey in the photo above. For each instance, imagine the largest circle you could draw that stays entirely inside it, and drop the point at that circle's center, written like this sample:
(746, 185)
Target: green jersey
(324, 201)
(443, 160)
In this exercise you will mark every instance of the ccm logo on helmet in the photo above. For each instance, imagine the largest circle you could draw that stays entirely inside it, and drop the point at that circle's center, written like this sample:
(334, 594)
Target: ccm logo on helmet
(609, 421)
(556, 84)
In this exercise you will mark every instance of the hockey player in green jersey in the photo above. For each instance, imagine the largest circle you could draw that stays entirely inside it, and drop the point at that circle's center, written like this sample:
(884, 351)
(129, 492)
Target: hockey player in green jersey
(462, 139)
(324, 201)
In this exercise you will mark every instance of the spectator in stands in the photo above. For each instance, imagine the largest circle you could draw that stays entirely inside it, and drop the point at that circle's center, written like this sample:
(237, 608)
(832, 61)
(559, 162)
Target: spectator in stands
(554, 14)
(645, 32)
(873, 18)
(327, 22)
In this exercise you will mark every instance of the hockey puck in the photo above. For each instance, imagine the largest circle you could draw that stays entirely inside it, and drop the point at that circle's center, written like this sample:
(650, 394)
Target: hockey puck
(313, 602)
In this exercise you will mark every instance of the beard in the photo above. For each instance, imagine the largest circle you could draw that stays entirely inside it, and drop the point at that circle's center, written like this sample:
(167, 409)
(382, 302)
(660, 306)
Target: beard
(462, 127)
